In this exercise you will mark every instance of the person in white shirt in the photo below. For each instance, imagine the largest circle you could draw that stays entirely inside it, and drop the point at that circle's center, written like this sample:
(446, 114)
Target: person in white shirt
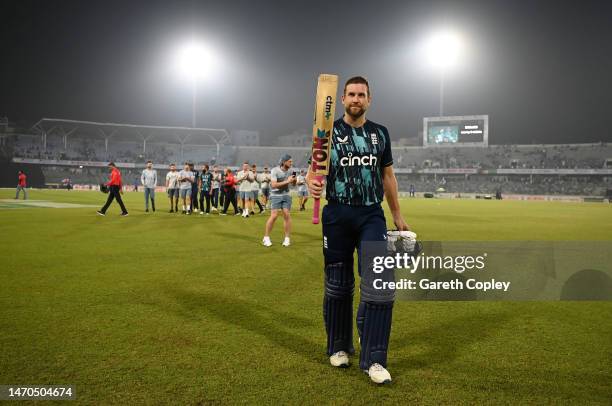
(186, 179)
(302, 190)
(172, 186)
(265, 186)
(244, 179)
(149, 181)
(216, 188)
(255, 187)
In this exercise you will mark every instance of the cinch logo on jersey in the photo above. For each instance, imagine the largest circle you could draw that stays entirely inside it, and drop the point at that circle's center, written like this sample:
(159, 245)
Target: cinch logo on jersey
(364, 160)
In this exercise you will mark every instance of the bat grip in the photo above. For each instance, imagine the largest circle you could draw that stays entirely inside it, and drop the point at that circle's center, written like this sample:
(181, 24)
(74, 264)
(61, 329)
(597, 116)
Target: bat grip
(317, 204)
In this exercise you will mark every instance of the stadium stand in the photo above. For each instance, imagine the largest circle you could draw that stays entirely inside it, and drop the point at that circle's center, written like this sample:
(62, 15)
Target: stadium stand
(270, 155)
(506, 156)
(79, 151)
(482, 184)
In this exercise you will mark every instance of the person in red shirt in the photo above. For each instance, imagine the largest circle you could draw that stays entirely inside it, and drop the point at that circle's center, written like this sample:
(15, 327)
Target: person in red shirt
(21, 185)
(229, 186)
(114, 191)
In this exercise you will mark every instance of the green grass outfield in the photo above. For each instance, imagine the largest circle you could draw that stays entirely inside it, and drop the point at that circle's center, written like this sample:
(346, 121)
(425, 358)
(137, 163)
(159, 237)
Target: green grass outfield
(171, 309)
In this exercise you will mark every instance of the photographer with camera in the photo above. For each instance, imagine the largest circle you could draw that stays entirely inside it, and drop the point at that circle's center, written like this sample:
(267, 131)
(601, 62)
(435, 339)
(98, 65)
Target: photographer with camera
(280, 180)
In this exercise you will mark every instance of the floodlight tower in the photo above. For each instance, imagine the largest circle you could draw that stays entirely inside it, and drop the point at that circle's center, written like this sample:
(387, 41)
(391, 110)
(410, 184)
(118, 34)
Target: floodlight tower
(443, 50)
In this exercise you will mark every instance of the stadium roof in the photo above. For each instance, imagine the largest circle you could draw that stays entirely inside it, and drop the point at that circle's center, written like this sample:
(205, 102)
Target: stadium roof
(144, 133)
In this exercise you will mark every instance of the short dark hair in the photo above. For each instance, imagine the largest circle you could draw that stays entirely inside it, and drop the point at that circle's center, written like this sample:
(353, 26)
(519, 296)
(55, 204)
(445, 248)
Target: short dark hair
(149, 161)
(358, 80)
(111, 164)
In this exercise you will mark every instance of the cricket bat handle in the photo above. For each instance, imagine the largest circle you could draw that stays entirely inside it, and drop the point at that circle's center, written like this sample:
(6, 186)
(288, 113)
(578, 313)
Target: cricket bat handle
(317, 204)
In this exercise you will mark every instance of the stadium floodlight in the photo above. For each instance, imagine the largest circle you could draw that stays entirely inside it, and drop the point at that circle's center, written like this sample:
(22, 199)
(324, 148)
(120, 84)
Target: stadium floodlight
(443, 51)
(195, 61)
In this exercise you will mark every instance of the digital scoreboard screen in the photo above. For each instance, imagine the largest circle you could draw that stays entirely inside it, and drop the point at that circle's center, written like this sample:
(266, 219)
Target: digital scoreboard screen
(458, 130)
(443, 134)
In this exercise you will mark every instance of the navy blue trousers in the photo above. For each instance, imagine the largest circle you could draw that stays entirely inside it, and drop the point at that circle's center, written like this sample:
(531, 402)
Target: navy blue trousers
(345, 228)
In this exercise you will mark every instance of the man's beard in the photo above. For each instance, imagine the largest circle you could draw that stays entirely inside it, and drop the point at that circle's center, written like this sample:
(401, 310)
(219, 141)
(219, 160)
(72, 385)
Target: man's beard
(356, 115)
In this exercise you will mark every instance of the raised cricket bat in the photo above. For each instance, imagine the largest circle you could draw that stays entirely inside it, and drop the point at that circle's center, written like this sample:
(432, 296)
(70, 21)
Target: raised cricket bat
(322, 129)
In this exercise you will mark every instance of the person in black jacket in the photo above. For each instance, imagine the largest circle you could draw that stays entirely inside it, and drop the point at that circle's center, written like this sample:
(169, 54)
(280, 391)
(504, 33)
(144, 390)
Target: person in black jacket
(194, 187)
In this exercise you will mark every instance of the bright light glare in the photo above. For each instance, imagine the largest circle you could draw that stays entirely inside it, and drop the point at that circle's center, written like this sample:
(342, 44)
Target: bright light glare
(195, 61)
(443, 49)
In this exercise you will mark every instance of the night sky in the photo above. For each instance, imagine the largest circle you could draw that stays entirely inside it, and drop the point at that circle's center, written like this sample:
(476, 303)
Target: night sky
(541, 70)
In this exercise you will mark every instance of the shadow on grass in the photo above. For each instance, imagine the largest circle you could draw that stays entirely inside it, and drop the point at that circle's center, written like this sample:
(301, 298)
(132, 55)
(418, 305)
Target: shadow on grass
(446, 340)
(260, 320)
(240, 237)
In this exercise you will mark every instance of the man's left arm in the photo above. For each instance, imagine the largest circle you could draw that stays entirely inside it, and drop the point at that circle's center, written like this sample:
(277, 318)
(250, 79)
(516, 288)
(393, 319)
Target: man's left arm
(390, 183)
(391, 194)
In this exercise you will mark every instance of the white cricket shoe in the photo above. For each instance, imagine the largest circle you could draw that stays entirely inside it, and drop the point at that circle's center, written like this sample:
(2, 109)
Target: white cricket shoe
(201, 213)
(339, 359)
(378, 374)
(214, 208)
(286, 242)
(267, 241)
